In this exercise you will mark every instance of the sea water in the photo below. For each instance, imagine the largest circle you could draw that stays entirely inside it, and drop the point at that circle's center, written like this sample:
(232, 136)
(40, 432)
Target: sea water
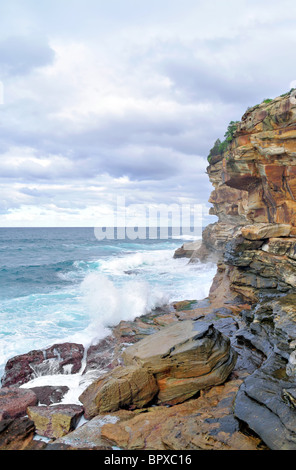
(62, 284)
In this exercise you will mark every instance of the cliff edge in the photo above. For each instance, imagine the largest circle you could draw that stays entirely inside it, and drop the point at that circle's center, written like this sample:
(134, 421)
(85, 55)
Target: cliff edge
(215, 374)
(254, 242)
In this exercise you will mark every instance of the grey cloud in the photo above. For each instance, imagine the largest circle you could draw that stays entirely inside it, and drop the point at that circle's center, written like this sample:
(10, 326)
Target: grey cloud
(19, 54)
(225, 63)
(36, 193)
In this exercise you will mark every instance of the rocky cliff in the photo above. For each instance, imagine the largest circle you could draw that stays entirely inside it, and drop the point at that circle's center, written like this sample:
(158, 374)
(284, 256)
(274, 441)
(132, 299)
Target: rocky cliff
(254, 177)
(219, 373)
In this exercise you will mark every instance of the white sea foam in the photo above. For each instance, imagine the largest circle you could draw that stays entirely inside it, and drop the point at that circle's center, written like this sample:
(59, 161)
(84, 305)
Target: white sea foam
(129, 261)
(75, 383)
(133, 284)
(108, 304)
(106, 291)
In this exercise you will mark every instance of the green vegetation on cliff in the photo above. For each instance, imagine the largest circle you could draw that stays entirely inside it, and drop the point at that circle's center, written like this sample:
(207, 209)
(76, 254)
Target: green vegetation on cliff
(219, 146)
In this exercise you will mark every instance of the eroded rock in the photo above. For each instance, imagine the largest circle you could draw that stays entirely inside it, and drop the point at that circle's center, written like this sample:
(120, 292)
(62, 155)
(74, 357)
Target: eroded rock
(185, 358)
(121, 388)
(55, 421)
(16, 434)
(266, 405)
(14, 402)
(205, 423)
(187, 249)
(63, 358)
(48, 395)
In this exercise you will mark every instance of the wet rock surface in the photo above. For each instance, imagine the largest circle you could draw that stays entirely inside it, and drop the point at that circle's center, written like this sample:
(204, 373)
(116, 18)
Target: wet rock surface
(16, 434)
(14, 402)
(240, 343)
(266, 403)
(185, 358)
(48, 395)
(58, 359)
(54, 421)
(122, 388)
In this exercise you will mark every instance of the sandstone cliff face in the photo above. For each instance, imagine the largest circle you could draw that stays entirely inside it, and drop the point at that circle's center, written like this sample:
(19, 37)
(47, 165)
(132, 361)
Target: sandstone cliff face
(254, 243)
(255, 201)
(193, 374)
(255, 178)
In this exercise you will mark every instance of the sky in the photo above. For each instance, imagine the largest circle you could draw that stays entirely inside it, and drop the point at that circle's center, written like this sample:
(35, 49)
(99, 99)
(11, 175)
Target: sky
(108, 99)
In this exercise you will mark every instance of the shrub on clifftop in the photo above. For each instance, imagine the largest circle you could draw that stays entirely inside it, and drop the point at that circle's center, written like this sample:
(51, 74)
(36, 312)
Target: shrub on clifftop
(219, 146)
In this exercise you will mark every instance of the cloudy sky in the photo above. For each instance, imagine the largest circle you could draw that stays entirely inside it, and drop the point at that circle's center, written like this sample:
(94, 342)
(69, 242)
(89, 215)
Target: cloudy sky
(124, 98)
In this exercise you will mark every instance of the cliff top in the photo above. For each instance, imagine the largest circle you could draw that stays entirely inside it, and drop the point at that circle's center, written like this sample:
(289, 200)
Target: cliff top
(268, 116)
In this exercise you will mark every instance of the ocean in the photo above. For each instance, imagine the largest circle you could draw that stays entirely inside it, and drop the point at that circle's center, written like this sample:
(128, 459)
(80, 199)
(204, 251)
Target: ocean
(62, 284)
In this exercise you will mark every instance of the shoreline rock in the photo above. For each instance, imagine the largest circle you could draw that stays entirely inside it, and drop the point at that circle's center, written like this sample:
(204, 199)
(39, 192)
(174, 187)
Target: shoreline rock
(121, 388)
(14, 402)
(54, 421)
(187, 249)
(84, 437)
(251, 303)
(57, 359)
(185, 358)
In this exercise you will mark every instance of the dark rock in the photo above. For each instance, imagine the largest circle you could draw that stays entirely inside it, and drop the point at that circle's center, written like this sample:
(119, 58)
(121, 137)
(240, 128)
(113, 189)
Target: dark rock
(16, 434)
(14, 402)
(58, 359)
(18, 370)
(69, 355)
(271, 325)
(101, 357)
(262, 404)
(48, 395)
(187, 249)
(241, 252)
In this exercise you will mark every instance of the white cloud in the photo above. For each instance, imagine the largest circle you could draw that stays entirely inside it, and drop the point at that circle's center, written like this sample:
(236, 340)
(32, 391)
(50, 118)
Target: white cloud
(128, 98)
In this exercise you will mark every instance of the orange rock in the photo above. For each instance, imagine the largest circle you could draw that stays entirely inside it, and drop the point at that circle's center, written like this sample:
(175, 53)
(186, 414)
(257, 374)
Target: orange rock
(184, 357)
(120, 388)
(206, 423)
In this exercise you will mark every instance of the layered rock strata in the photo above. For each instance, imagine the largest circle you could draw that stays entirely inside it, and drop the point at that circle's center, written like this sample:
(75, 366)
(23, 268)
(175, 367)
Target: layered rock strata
(255, 202)
(184, 358)
(246, 328)
(152, 427)
(122, 388)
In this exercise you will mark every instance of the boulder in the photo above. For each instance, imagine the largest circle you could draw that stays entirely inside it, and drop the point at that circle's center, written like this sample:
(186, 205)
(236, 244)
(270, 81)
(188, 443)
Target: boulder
(280, 247)
(85, 437)
(63, 358)
(185, 358)
(16, 434)
(14, 402)
(205, 423)
(187, 249)
(121, 388)
(55, 421)
(48, 395)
